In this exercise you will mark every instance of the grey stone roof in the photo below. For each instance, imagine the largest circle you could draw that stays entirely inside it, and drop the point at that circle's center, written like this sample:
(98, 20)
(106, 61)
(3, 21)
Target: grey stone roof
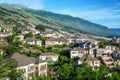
(39, 61)
(82, 59)
(89, 58)
(30, 39)
(77, 49)
(23, 60)
(48, 54)
(57, 39)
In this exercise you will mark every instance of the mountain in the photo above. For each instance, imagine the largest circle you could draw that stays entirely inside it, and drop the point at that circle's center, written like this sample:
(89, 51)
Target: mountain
(10, 16)
(116, 30)
(20, 15)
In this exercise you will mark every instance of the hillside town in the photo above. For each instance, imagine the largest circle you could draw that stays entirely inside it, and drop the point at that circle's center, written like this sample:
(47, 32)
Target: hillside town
(41, 52)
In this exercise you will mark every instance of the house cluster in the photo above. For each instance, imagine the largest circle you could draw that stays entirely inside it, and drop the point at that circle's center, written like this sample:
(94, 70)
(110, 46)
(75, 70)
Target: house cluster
(105, 54)
(5, 32)
(52, 38)
(84, 55)
(76, 39)
(116, 40)
(55, 41)
(49, 56)
(30, 66)
(94, 56)
(32, 41)
(30, 30)
(88, 51)
(50, 34)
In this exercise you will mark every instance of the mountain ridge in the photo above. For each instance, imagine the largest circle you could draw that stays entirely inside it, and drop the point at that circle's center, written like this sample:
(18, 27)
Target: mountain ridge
(116, 30)
(64, 22)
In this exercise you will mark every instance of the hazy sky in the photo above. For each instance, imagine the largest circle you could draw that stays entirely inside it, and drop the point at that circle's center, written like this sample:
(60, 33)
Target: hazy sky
(105, 12)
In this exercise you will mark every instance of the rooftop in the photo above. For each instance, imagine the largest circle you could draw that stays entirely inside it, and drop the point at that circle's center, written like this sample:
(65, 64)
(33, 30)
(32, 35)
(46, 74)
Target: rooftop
(30, 39)
(57, 39)
(22, 60)
(90, 58)
(77, 49)
(48, 54)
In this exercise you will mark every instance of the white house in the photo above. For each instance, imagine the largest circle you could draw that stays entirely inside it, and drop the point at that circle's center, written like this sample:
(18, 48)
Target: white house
(42, 68)
(102, 51)
(55, 41)
(50, 34)
(32, 41)
(90, 60)
(21, 37)
(30, 29)
(76, 52)
(31, 66)
(76, 39)
(45, 56)
(4, 36)
(110, 48)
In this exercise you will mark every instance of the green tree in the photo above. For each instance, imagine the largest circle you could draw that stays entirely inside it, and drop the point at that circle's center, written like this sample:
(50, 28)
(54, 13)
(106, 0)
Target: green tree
(15, 29)
(8, 69)
(102, 44)
(73, 45)
(114, 76)
(40, 27)
(3, 68)
(65, 71)
(11, 38)
(11, 49)
(84, 72)
(41, 78)
(29, 35)
(41, 38)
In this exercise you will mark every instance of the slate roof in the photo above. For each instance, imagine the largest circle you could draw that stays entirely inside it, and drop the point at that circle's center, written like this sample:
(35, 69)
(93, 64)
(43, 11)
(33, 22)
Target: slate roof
(57, 39)
(48, 54)
(89, 58)
(30, 39)
(82, 59)
(23, 60)
(77, 49)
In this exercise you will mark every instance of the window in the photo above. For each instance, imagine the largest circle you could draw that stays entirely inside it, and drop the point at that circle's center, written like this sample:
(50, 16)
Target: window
(31, 74)
(54, 56)
(43, 67)
(30, 68)
(96, 62)
(24, 70)
(73, 52)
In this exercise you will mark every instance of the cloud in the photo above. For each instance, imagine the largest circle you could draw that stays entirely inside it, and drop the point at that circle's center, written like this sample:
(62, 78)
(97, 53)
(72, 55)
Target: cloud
(113, 24)
(93, 14)
(101, 16)
(36, 4)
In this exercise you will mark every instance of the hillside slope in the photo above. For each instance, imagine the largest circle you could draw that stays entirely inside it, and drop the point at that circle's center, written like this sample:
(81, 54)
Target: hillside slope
(14, 17)
(57, 21)
(116, 30)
